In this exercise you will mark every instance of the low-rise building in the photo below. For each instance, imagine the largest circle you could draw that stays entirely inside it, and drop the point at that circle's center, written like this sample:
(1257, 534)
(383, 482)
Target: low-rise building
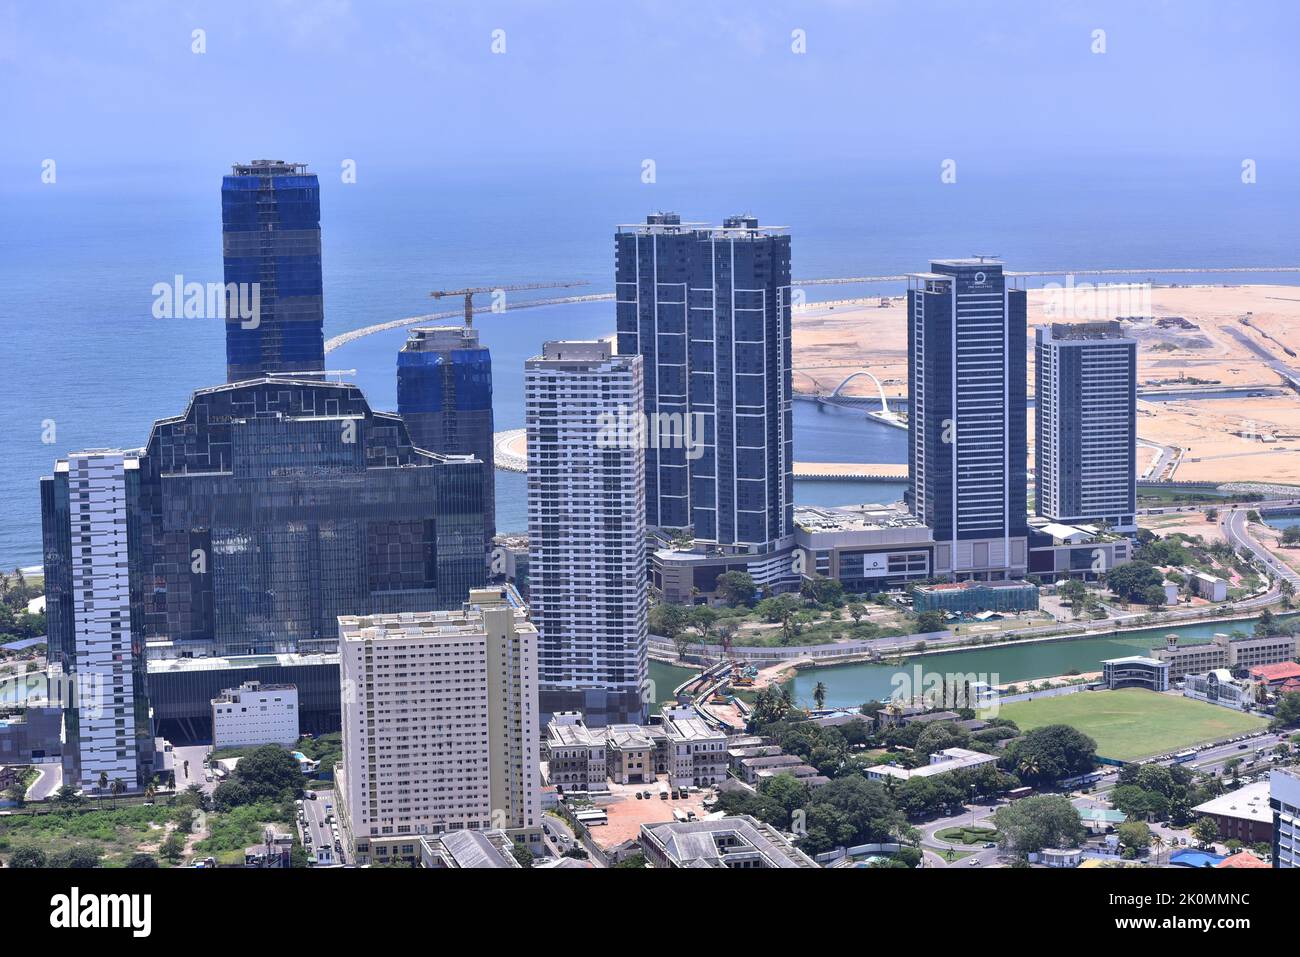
(255, 713)
(31, 736)
(1224, 651)
(630, 754)
(1219, 687)
(941, 762)
(274, 851)
(1058, 551)
(970, 597)
(696, 753)
(748, 768)
(465, 849)
(1210, 587)
(1244, 814)
(1135, 671)
(575, 754)
(1275, 676)
(734, 842)
(866, 548)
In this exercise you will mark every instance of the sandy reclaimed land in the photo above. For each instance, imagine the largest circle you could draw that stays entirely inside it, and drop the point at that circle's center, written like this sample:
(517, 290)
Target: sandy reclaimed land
(1221, 335)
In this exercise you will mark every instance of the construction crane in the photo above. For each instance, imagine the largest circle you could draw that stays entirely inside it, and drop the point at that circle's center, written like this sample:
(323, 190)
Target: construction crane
(469, 293)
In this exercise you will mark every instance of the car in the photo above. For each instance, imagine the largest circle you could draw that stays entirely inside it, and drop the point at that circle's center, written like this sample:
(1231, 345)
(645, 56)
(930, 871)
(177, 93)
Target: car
(638, 795)
(974, 862)
(1242, 747)
(989, 845)
(663, 795)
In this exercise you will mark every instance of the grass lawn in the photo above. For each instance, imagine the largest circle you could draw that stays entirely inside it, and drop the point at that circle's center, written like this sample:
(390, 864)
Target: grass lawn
(967, 835)
(1133, 723)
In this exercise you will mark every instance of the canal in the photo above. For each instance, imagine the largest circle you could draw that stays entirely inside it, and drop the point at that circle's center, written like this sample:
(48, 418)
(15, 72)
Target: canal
(850, 685)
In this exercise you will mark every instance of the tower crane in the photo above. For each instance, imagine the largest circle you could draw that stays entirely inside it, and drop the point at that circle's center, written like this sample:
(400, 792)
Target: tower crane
(469, 292)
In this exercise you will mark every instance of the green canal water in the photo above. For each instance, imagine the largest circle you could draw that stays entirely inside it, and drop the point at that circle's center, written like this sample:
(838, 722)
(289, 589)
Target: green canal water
(848, 686)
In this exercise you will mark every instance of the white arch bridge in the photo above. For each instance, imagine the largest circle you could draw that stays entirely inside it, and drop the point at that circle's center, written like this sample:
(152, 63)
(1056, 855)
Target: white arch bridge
(885, 415)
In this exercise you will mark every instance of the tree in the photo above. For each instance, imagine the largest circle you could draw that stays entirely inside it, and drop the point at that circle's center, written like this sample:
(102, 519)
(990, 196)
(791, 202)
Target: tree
(1291, 536)
(77, 856)
(1287, 712)
(930, 621)
(173, 848)
(857, 611)
(103, 785)
(1033, 823)
(670, 621)
(117, 787)
(1075, 594)
(27, 857)
(1206, 830)
(703, 619)
(632, 860)
(819, 695)
(521, 854)
(67, 797)
(736, 588)
(772, 704)
(1154, 597)
(142, 860)
(1050, 753)
(1130, 581)
(1134, 834)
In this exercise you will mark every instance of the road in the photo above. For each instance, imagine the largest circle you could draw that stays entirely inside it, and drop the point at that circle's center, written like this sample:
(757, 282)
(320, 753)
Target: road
(195, 755)
(977, 856)
(1236, 529)
(318, 822)
(51, 780)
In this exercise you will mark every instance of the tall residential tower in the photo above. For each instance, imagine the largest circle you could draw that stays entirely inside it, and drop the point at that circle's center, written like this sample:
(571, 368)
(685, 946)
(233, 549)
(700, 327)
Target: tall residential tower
(270, 231)
(708, 309)
(586, 529)
(1086, 422)
(967, 450)
(440, 727)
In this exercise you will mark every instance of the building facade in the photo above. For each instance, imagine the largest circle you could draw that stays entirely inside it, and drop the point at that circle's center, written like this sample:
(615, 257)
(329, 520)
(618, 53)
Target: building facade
(91, 532)
(740, 842)
(270, 237)
(1284, 800)
(1086, 424)
(444, 394)
(586, 530)
(708, 309)
(1135, 671)
(440, 727)
(967, 449)
(255, 714)
(272, 506)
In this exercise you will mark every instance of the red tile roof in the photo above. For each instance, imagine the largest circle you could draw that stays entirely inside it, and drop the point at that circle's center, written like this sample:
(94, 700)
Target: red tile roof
(1277, 672)
(1241, 859)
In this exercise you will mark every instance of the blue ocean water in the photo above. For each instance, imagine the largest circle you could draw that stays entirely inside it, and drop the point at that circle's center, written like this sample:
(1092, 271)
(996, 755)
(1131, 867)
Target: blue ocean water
(86, 364)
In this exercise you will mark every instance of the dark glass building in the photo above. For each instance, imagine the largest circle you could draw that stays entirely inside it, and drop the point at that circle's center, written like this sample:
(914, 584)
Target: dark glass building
(272, 506)
(270, 230)
(967, 451)
(444, 394)
(708, 309)
(1086, 444)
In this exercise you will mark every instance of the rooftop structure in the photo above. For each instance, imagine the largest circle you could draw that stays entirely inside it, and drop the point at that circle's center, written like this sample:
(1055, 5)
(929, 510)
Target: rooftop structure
(735, 842)
(941, 762)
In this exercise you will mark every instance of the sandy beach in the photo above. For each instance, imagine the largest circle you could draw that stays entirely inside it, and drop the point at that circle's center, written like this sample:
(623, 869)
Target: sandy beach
(1195, 337)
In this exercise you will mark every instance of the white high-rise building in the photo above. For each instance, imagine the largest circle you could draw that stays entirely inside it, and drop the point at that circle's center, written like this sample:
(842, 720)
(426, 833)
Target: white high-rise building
(439, 726)
(586, 529)
(103, 729)
(1085, 453)
(1284, 796)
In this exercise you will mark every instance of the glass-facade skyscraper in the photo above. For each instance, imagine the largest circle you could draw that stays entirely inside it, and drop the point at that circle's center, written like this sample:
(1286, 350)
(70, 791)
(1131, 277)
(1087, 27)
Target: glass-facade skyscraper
(967, 450)
(708, 310)
(1085, 451)
(270, 232)
(444, 394)
(272, 506)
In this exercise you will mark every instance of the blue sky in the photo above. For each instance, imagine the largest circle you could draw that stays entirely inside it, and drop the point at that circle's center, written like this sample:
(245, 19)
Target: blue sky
(112, 90)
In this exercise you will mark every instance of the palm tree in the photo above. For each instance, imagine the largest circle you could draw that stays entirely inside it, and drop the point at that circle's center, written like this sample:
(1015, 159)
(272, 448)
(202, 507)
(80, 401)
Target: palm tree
(1158, 843)
(103, 785)
(819, 695)
(150, 792)
(118, 787)
(1028, 767)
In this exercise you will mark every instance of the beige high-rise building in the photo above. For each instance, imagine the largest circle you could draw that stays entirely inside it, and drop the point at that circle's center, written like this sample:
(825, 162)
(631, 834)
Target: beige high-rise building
(439, 726)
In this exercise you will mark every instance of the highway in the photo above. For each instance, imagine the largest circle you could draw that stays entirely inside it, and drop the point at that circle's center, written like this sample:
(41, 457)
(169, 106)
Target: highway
(1236, 529)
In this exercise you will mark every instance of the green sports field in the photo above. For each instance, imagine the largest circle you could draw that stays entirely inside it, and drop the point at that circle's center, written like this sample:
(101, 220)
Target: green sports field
(1132, 723)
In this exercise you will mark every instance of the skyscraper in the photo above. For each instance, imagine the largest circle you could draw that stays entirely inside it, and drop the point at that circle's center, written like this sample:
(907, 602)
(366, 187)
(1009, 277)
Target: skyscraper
(272, 506)
(1086, 423)
(708, 309)
(270, 230)
(967, 450)
(440, 727)
(95, 640)
(586, 529)
(444, 394)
